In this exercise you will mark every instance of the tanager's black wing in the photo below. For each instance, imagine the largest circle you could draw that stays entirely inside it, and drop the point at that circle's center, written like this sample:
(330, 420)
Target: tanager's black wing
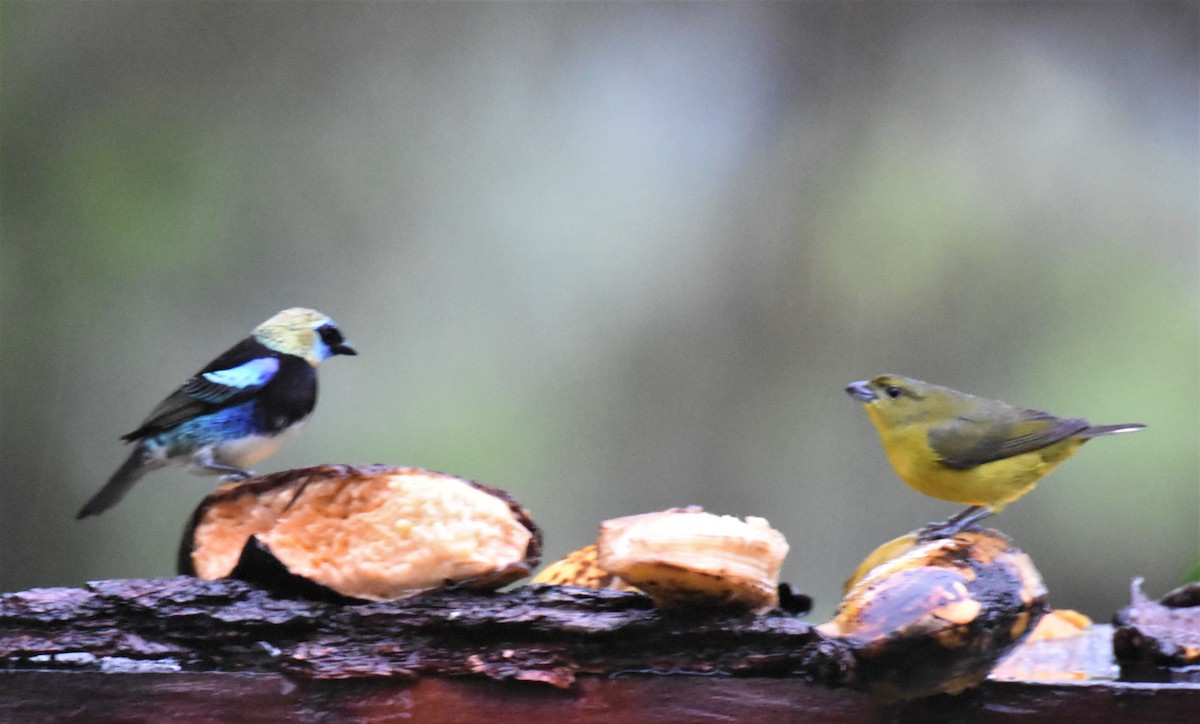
(234, 377)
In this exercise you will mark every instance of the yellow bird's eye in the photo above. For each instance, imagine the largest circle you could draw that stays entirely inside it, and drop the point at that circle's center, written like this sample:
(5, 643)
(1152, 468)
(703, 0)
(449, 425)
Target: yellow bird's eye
(892, 391)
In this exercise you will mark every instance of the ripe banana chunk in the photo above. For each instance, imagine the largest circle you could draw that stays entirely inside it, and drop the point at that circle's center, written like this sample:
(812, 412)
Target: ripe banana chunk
(684, 557)
(580, 568)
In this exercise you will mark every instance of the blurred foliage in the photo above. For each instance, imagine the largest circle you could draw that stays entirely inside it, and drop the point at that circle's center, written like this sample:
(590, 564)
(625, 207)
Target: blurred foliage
(168, 178)
(611, 257)
(1193, 574)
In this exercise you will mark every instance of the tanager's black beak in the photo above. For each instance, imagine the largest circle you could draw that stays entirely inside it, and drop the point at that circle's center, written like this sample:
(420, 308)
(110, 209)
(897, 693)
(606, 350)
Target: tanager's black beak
(343, 348)
(860, 390)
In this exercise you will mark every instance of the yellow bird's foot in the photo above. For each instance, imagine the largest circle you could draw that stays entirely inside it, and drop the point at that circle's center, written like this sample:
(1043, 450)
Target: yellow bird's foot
(965, 520)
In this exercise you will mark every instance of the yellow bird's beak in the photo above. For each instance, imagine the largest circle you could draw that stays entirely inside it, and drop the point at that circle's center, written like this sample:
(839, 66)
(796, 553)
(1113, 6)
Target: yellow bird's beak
(861, 391)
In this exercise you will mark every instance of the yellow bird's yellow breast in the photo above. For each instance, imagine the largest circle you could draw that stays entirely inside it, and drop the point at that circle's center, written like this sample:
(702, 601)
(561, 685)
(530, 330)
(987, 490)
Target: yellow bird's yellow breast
(994, 484)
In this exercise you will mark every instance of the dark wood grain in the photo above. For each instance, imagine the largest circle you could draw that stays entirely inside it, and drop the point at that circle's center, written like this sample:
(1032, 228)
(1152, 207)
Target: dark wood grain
(182, 649)
(546, 634)
(59, 696)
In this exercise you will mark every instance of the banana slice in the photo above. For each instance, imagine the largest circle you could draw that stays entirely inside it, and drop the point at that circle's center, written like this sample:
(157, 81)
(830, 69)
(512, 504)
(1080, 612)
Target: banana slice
(580, 568)
(372, 533)
(685, 557)
(935, 616)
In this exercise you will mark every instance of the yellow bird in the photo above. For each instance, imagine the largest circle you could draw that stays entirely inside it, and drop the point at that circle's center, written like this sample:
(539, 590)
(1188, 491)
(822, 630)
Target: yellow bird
(966, 449)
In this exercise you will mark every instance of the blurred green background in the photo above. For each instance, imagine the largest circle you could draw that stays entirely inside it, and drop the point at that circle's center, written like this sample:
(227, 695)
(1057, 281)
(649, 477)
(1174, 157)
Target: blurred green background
(611, 257)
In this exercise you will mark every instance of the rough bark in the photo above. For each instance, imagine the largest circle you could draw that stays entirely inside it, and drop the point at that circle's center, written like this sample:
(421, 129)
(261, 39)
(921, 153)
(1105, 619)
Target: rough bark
(536, 633)
(183, 649)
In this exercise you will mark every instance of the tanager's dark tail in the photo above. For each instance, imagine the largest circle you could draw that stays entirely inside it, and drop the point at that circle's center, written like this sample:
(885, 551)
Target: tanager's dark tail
(139, 462)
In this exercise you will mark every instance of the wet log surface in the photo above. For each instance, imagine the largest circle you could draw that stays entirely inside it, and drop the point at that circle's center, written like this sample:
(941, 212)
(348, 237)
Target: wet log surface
(35, 696)
(546, 634)
(1151, 635)
(182, 649)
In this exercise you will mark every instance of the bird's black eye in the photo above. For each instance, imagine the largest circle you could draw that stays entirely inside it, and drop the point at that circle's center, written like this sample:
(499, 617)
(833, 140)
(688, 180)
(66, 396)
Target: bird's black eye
(330, 335)
(892, 391)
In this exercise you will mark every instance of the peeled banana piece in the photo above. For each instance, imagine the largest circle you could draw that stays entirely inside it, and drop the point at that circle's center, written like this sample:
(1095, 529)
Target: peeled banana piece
(681, 558)
(581, 568)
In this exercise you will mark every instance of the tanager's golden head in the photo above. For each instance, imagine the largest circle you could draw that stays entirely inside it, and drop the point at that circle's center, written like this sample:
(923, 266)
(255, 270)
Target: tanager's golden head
(304, 333)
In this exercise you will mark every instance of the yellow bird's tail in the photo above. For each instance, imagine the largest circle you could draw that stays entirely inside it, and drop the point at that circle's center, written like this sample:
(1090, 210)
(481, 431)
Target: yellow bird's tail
(1098, 430)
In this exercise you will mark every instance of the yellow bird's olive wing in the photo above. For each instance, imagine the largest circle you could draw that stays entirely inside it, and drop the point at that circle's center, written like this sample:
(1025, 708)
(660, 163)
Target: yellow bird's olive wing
(966, 442)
